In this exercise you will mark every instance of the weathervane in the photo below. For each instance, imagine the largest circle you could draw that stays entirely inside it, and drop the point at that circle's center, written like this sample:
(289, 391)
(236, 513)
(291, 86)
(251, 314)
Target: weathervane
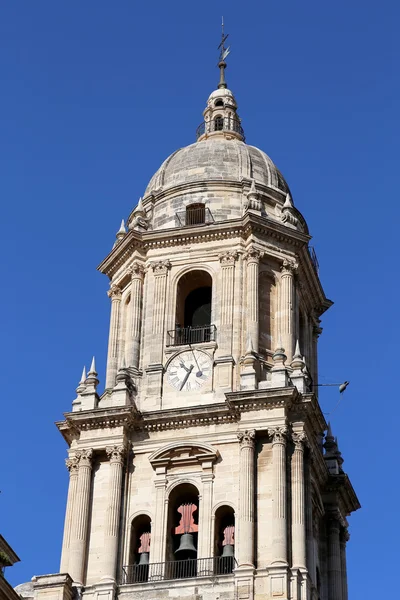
(222, 56)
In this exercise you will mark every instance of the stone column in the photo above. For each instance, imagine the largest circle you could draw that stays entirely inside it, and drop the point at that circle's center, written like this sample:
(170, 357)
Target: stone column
(287, 307)
(205, 547)
(344, 538)
(80, 521)
(334, 560)
(311, 563)
(72, 466)
(227, 260)
(245, 543)
(112, 357)
(279, 496)
(116, 455)
(252, 257)
(160, 270)
(158, 533)
(298, 504)
(136, 304)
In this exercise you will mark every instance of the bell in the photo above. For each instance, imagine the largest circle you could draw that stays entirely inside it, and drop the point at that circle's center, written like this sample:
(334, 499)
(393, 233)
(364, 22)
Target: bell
(144, 558)
(186, 544)
(228, 550)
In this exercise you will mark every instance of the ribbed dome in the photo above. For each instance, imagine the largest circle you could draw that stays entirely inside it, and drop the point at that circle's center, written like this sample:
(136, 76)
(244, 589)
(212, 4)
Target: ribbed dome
(217, 159)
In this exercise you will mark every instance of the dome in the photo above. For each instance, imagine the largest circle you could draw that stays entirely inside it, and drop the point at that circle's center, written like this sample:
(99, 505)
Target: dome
(217, 159)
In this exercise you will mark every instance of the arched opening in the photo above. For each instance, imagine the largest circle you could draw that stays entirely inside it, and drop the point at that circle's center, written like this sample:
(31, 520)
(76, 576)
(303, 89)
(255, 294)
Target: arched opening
(183, 515)
(195, 214)
(267, 308)
(218, 123)
(139, 549)
(224, 540)
(193, 309)
(219, 102)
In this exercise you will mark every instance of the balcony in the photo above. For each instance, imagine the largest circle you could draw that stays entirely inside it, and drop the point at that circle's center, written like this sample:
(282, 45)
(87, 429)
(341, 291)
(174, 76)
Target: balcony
(220, 124)
(178, 569)
(194, 215)
(181, 336)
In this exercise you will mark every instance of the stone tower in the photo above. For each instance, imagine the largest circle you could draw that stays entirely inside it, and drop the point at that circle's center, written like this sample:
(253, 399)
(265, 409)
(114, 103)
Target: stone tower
(202, 470)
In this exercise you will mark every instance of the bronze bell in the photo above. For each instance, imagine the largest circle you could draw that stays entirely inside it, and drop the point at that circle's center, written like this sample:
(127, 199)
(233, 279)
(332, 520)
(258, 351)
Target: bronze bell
(227, 550)
(186, 544)
(144, 558)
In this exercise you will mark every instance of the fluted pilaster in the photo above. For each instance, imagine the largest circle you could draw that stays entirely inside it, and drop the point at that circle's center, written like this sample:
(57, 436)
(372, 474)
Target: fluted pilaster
(72, 466)
(112, 358)
(311, 562)
(279, 496)
(160, 270)
(136, 304)
(344, 538)
(252, 258)
(79, 528)
(298, 503)
(334, 560)
(245, 543)
(287, 307)
(205, 548)
(116, 455)
(227, 260)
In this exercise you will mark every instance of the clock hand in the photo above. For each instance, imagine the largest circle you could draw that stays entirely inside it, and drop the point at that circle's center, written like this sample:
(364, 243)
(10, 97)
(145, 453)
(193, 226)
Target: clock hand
(183, 367)
(186, 376)
(199, 371)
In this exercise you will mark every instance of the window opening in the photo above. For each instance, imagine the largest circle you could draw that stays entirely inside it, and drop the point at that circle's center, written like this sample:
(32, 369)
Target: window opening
(195, 214)
(218, 123)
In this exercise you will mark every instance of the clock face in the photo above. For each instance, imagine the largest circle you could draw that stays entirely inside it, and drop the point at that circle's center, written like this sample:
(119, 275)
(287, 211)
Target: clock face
(189, 370)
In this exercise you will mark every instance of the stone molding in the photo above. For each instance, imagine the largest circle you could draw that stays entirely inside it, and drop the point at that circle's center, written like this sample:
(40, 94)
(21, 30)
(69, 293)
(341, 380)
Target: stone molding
(114, 293)
(180, 454)
(116, 454)
(247, 438)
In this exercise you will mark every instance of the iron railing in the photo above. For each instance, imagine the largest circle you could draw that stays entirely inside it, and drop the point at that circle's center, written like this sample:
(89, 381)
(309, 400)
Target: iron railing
(220, 124)
(314, 259)
(191, 335)
(178, 569)
(194, 216)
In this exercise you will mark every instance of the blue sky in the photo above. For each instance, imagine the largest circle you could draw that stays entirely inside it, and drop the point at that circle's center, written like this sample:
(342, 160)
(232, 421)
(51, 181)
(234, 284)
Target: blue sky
(95, 95)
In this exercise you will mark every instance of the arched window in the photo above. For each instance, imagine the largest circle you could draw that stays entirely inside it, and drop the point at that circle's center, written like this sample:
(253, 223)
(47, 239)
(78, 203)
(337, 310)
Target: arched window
(224, 540)
(193, 308)
(195, 214)
(181, 547)
(139, 550)
(218, 123)
(219, 102)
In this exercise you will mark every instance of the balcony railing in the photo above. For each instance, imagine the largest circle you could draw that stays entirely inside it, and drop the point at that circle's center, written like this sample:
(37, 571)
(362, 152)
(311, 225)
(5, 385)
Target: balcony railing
(191, 335)
(178, 569)
(220, 124)
(314, 259)
(194, 216)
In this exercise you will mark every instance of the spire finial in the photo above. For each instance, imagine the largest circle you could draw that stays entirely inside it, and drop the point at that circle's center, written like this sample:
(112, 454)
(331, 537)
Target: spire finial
(222, 56)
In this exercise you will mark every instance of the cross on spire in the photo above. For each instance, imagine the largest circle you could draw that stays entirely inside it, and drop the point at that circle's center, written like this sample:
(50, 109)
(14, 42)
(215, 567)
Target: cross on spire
(223, 53)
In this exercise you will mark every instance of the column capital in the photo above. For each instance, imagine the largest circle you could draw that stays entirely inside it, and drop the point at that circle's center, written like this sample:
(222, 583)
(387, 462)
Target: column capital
(160, 267)
(136, 270)
(344, 536)
(72, 465)
(300, 440)
(116, 454)
(247, 438)
(114, 293)
(289, 266)
(84, 457)
(228, 258)
(253, 255)
(278, 434)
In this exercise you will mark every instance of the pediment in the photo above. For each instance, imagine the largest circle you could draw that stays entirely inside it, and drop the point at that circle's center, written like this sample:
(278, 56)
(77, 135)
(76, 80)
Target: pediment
(184, 453)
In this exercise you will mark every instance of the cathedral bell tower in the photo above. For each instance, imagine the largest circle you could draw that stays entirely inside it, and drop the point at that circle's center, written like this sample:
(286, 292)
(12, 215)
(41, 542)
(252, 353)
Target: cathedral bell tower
(203, 469)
